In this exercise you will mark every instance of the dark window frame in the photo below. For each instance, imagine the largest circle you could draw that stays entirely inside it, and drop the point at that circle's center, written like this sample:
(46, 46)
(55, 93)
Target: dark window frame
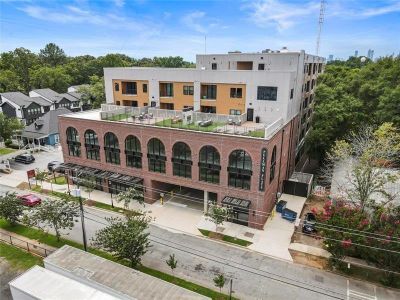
(188, 90)
(209, 91)
(144, 87)
(74, 145)
(240, 169)
(182, 160)
(92, 145)
(133, 153)
(261, 67)
(209, 164)
(236, 92)
(167, 90)
(116, 87)
(267, 93)
(214, 66)
(156, 159)
(131, 90)
(111, 148)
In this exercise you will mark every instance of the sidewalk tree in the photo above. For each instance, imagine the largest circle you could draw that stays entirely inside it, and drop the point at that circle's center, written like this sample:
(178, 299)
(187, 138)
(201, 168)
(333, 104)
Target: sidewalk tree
(9, 126)
(130, 195)
(11, 207)
(126, 238)
(89, 184)
(217, 214)
(219, 281)
(172, 262)
(41, 175)
(55, 213)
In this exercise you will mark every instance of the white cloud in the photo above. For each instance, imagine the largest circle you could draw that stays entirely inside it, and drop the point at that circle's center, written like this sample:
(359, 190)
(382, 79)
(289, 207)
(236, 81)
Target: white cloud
(275, 13)
(75, 15)
(346, 9)
(193, 21)
(119, 3)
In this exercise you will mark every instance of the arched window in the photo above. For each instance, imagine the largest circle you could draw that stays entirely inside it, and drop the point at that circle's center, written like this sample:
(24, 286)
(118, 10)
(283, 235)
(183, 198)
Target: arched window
(111, 148)
(209, 165)
(74, 146)
(156, 155)
(92, 145)
(273, 164)
(182, 160)
(116, 87)
(240, 169)
(133, 152)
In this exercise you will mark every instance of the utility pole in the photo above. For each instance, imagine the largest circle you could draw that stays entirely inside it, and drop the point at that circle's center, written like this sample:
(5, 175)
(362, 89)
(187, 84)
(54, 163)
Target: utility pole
(77, 193)
(320, 23)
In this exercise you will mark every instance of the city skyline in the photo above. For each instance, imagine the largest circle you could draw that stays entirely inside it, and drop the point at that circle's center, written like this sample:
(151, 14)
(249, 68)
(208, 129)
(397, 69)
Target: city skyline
(152, 28)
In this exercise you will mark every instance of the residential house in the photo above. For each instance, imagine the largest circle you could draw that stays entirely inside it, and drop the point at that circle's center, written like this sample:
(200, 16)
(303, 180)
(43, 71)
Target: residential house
(57, 100)
(22, 107)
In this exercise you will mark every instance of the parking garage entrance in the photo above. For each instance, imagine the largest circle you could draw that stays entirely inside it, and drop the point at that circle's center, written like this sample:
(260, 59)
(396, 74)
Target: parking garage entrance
(181, 196)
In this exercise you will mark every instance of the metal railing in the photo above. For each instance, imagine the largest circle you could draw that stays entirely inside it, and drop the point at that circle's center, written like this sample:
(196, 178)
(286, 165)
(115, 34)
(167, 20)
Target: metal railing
(32, 248)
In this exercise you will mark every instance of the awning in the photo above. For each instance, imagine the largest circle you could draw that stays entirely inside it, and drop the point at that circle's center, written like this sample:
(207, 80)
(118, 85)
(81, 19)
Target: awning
(111, 176)
(236, 202)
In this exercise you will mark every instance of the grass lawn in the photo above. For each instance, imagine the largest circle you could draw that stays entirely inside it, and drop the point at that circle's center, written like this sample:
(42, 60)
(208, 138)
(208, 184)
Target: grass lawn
(58, 180)
(18, 258)
(4, 151)
(227, 238)
(118, 117)
(257, 133)
(106, 206)
(51, 240)
(168, 123)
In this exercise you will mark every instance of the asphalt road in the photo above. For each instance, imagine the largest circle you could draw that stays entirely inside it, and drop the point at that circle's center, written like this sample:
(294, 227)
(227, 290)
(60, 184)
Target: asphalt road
(255, 276)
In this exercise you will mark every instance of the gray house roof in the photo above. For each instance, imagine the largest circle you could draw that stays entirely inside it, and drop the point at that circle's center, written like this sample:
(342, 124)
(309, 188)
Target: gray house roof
(76, 95)
(49, 94)
(45, 125)
(18, 98)
(40, 101)
(69, 97)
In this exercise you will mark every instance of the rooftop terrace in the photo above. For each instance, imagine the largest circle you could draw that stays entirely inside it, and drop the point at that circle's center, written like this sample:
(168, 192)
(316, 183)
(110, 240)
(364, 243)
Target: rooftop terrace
(182, 120)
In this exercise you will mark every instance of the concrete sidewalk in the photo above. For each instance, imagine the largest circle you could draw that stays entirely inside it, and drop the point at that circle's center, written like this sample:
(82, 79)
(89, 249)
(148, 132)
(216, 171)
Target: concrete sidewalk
(29, 245)
(274, 240)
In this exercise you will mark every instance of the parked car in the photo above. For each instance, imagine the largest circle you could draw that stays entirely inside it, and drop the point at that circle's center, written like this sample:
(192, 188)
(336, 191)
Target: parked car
(309, 223)
(54, 166)
(25, 158)
(30, 199)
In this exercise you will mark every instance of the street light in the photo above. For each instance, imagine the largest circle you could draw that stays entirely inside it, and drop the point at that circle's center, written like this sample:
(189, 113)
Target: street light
(77, 193)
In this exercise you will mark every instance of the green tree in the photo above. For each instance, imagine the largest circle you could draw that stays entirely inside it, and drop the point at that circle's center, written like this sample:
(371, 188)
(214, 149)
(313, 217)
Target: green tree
(11, 207)
(125, 239)
(21, 61)
(54, 78)
(9, 82)
(94, 93)
(389, 106)
(219, 281)
(130, 195)
(365, 157)
(80, 68)
(172, 262)
(217, 214)
(9, 126)
(52, 55)
(41, 175)
(54, 213)
(89, 184)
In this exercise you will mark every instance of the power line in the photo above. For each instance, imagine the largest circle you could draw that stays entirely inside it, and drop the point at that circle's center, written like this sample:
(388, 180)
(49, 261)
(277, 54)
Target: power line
(246, 269)
(189, 198)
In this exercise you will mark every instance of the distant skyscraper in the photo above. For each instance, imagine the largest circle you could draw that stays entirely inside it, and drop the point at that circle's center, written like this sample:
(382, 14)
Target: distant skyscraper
(330, 58)
(370, 54)
(356, 53)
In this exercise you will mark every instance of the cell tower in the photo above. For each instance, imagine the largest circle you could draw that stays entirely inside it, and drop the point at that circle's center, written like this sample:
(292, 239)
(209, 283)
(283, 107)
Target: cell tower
(320, 23)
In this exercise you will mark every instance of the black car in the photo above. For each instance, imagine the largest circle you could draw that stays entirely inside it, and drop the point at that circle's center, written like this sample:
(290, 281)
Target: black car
(309, 223)
(54, 166)
(25, 158)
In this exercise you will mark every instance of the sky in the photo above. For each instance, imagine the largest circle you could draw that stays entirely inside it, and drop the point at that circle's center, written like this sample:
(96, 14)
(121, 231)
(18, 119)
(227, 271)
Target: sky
(144, 28)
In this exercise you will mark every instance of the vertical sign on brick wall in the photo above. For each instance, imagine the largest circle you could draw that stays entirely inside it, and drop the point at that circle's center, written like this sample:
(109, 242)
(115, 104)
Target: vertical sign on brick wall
(263, 167)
